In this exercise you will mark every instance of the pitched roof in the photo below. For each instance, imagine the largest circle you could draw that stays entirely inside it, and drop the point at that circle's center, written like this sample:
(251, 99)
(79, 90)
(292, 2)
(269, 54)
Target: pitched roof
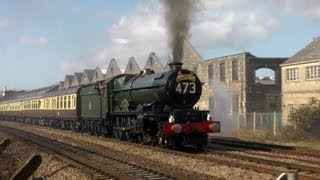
(308, 53)
(90, 73)
(113, 69)
(132, 67)
(98, 75)
(78, 76)
(188, 45)
(153, 63)
(167, 67)
(69, 79)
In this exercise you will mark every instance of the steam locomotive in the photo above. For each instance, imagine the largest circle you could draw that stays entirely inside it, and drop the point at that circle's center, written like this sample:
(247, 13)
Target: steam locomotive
(149, 108)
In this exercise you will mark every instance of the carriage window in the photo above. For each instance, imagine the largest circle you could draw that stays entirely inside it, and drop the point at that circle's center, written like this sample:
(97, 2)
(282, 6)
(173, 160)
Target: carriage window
(69, 102)
(58, 102)
(48, 104)
(64, 102)
(53, 103)
(73, 101)
(61, 102)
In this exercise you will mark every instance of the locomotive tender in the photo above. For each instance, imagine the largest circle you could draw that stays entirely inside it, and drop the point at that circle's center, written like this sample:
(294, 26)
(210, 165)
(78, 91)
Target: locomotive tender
(149, 107)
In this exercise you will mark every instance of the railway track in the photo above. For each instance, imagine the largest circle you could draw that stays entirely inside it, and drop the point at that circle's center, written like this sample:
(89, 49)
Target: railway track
(269, 161)
(259, 165)
(267, 153)
(266, 147)
(305, 172)
(303, 159)
(109, 165)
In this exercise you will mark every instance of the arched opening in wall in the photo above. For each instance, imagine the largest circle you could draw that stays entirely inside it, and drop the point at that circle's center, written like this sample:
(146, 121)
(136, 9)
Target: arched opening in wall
(265, 76)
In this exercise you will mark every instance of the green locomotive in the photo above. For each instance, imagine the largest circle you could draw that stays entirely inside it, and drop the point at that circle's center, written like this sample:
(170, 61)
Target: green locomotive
(151, 108)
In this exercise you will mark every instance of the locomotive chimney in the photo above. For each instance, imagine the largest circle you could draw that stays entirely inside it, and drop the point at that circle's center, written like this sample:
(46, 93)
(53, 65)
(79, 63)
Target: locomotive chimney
(175, 65)
(147, 71)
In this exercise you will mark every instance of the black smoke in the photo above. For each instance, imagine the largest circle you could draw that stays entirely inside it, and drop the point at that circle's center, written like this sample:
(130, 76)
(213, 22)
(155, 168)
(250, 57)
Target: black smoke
(178, 17)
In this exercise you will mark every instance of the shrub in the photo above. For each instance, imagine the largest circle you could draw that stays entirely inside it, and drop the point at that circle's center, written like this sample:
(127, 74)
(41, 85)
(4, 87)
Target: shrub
(306, 118)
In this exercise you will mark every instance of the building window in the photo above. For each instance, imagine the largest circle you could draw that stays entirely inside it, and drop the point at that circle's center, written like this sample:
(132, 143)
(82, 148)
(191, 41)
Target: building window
(210, 73)
(313, 72)
(222, 72)
(195, 70)
(151, 62)
(235, 71)
(290, 109)
(303, 105)
(292, 74)
(273, 102)
(235, 103)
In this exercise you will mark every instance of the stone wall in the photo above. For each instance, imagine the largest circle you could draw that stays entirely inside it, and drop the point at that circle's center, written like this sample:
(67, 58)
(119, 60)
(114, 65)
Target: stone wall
(233, 81)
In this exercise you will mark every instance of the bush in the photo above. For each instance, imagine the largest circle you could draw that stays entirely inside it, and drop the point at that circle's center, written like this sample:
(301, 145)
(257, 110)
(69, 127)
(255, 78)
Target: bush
(306, 118)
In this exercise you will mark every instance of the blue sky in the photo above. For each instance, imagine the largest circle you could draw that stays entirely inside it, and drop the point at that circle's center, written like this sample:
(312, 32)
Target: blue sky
(41, 41)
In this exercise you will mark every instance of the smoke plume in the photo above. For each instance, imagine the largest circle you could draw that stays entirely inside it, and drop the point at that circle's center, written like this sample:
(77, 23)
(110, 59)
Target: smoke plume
(178, 16)
(221, 107)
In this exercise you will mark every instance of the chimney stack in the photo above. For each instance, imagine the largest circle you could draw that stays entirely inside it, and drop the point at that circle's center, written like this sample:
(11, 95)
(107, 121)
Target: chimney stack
(175, 65)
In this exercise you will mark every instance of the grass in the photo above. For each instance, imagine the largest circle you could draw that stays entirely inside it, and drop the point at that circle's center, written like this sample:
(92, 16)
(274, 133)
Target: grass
(282, 138)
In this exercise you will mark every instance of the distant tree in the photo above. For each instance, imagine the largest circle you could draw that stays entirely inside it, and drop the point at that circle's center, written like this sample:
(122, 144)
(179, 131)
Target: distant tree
(307, 117)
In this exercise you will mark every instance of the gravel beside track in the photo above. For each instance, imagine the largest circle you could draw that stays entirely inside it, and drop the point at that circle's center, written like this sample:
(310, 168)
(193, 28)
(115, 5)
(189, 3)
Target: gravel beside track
(109, 165)
(52, 167)
(183, 164)
(284, 158)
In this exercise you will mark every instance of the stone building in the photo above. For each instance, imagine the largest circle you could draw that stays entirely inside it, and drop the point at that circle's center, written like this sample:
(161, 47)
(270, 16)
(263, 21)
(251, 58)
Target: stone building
(61, 85)
(76, 81)
(226, 80)
(153, 63)
(113, 69)
(301, 78)
(98, 75)
(132, 67)
(87, 76)
(67, 81)
(231, 80)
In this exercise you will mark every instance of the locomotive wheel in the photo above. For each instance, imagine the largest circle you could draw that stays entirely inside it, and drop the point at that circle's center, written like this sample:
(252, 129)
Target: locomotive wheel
(173, 143)
(117, 134)
(127, 135)
(143, 139)
(200, 147)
